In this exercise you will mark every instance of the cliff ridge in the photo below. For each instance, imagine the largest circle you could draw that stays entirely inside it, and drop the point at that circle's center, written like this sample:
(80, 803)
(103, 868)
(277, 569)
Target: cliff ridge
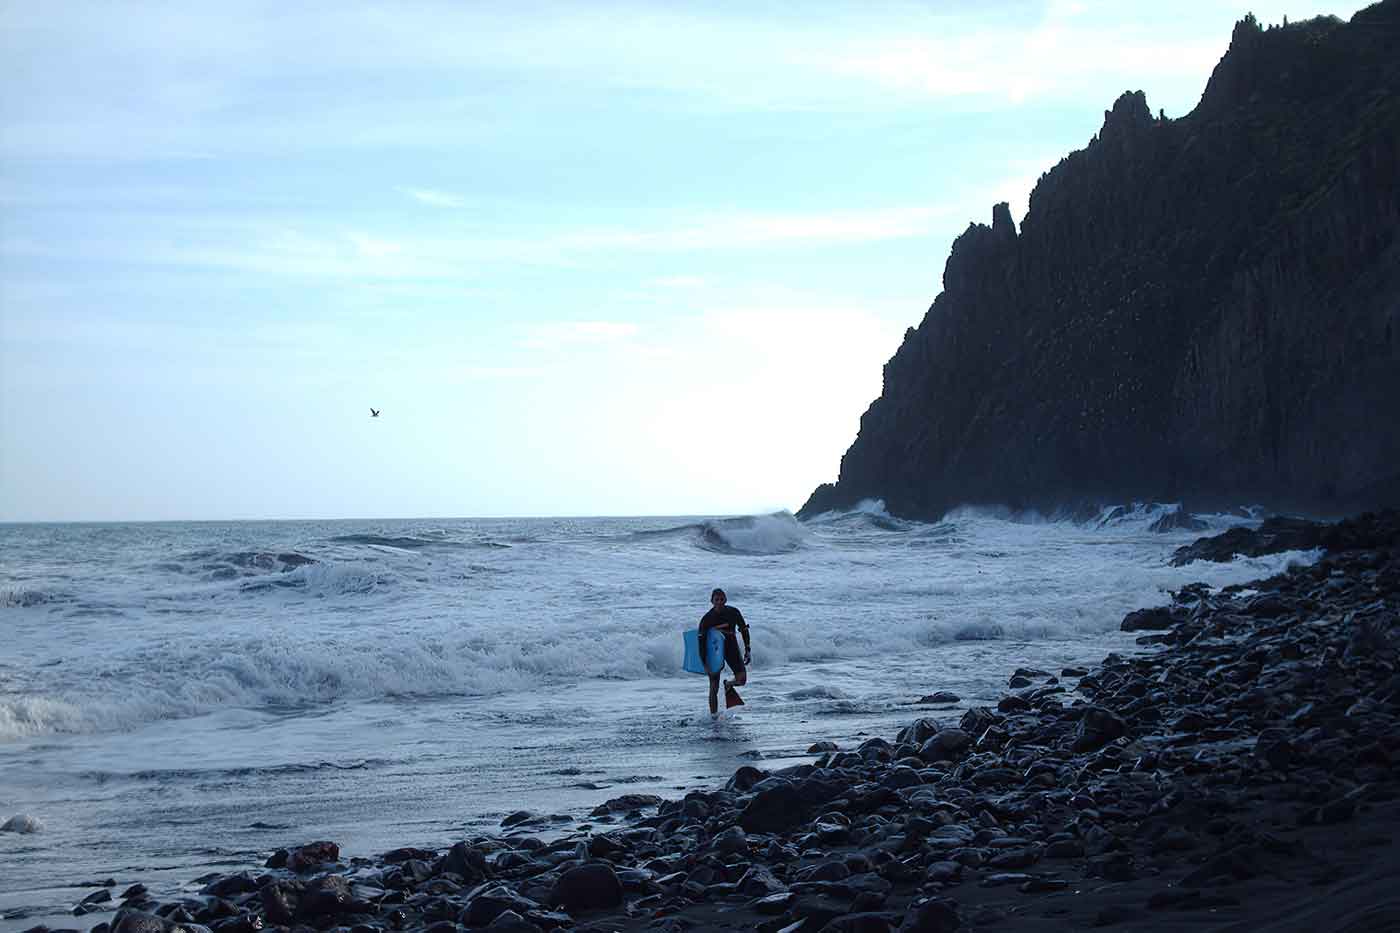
(1203, 309)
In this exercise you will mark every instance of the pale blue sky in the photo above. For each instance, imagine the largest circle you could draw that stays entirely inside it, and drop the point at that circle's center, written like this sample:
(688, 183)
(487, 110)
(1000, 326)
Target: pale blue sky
(586, 258)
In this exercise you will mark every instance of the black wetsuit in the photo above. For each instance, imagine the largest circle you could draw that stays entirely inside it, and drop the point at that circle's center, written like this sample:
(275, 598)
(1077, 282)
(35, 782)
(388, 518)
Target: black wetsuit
(728, 619)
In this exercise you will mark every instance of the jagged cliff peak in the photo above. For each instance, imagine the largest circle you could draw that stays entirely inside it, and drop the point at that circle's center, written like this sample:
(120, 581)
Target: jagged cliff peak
(977, 249)
(1128, 117)
(1260, 58)
(1002, 224)
(1205, 308)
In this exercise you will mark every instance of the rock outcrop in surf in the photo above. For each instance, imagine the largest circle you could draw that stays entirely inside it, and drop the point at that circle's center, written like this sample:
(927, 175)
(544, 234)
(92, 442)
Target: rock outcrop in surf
(1203, 309)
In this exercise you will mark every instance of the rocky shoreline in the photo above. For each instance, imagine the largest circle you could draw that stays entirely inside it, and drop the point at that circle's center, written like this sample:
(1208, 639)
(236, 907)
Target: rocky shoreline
(1238, 774)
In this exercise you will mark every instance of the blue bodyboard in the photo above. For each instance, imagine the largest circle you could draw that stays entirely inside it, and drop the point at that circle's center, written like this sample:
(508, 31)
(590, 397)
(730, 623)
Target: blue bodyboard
(692, 651)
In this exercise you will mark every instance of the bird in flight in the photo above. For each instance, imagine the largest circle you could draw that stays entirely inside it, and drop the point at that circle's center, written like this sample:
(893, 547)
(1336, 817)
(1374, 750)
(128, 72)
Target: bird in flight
(374, 412)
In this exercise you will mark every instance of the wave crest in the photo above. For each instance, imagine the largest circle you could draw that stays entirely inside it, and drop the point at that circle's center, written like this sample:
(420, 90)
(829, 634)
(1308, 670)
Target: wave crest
(778, 533)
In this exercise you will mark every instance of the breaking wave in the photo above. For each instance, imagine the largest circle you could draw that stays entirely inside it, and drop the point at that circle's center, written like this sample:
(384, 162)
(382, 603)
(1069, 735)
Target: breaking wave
(298, 628)
(758, 534)
(866, 514)
(324, 580)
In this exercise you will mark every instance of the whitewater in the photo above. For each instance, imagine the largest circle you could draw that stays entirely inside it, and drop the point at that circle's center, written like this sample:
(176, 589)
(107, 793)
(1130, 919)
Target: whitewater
(186, 697)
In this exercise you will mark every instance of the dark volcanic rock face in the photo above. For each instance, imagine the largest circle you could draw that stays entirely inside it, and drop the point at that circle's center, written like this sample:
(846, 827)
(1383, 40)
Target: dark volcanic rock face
(1205, 308)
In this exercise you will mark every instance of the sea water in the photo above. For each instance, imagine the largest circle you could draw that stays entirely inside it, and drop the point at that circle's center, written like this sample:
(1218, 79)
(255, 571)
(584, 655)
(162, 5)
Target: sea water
(187, 697)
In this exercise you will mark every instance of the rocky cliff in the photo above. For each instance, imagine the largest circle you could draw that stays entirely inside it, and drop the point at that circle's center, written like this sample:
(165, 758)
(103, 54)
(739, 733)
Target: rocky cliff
(1203, 309)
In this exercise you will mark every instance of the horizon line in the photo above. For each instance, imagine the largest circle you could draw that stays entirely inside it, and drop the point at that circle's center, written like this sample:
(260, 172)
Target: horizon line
(384, 518)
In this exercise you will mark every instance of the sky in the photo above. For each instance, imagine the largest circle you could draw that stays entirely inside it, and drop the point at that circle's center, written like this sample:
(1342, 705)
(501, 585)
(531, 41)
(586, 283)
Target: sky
(585, 258)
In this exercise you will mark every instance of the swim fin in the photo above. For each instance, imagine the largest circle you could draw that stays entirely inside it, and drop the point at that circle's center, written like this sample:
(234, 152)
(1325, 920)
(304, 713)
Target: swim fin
(731, 697)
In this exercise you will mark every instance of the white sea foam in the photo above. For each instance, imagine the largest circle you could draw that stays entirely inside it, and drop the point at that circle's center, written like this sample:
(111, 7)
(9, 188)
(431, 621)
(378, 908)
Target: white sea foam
(22, 823)
(995, 513)
(758, 534)
(22, 596)
(818, 693)
(366, 621)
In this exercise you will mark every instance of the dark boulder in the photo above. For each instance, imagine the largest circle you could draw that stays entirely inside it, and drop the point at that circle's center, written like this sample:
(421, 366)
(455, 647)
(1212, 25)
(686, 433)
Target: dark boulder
(1150, 620)
(1013, 703)
(312, 856)
(486, 906)
(136, 921)
(594, 886)
(948, 744)
(395, 856)
(1097, 727)
(759, 881)
(977, 720)
(231, 885)
(1273, 536)
(626, 802)
(466, 862)
(326, 896)
(511, 922)
(918, 732)
(279, 902)
(936, 915)
(773, 810)
(745, 778)
(817, 911)
(243, 923)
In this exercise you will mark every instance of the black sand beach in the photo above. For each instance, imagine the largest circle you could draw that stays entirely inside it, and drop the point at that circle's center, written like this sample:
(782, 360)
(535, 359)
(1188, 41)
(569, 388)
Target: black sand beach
(1236, 775)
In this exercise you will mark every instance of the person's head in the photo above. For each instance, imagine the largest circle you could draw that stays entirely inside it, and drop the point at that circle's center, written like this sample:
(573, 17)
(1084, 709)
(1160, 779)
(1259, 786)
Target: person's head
(717, 597)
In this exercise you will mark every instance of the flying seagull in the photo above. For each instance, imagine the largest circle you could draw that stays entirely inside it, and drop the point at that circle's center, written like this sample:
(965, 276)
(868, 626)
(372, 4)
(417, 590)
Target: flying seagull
(374, 412)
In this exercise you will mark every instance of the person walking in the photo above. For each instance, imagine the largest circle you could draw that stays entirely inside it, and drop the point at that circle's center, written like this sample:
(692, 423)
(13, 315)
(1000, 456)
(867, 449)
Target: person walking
(727, 620)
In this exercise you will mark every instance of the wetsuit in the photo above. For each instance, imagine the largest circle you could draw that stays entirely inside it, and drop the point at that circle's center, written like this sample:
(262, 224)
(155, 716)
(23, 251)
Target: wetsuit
(726, 618)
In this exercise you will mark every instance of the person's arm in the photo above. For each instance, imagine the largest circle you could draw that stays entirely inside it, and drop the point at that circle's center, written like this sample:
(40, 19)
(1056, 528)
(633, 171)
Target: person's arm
(706, 623)
(743, 630)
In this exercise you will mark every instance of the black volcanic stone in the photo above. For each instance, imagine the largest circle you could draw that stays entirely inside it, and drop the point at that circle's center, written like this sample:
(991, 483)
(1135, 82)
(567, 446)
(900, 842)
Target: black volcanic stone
(936, 915)
(328, 895)
(1097, 727)
(1148, 620)
(395, 856)
(773, 810)
(490, 904)
(135, 921)
(594, 886)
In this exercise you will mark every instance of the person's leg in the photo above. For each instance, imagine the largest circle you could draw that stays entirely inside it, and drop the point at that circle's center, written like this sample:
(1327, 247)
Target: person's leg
(714, 694)
(735, 660)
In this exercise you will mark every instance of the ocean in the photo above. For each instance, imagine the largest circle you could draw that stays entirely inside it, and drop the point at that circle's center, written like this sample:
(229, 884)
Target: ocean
(180, 698)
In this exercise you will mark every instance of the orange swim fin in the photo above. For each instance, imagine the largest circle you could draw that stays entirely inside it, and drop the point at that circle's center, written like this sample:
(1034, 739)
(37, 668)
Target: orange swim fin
(731, 697)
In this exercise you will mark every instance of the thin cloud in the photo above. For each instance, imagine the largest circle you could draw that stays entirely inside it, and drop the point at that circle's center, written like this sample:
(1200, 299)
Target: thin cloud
(677, 282)
(272, 246)
(374, 247)
(558, 334)
(135, 96)
(1056, 60)
(747, 230)
(435, 198)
